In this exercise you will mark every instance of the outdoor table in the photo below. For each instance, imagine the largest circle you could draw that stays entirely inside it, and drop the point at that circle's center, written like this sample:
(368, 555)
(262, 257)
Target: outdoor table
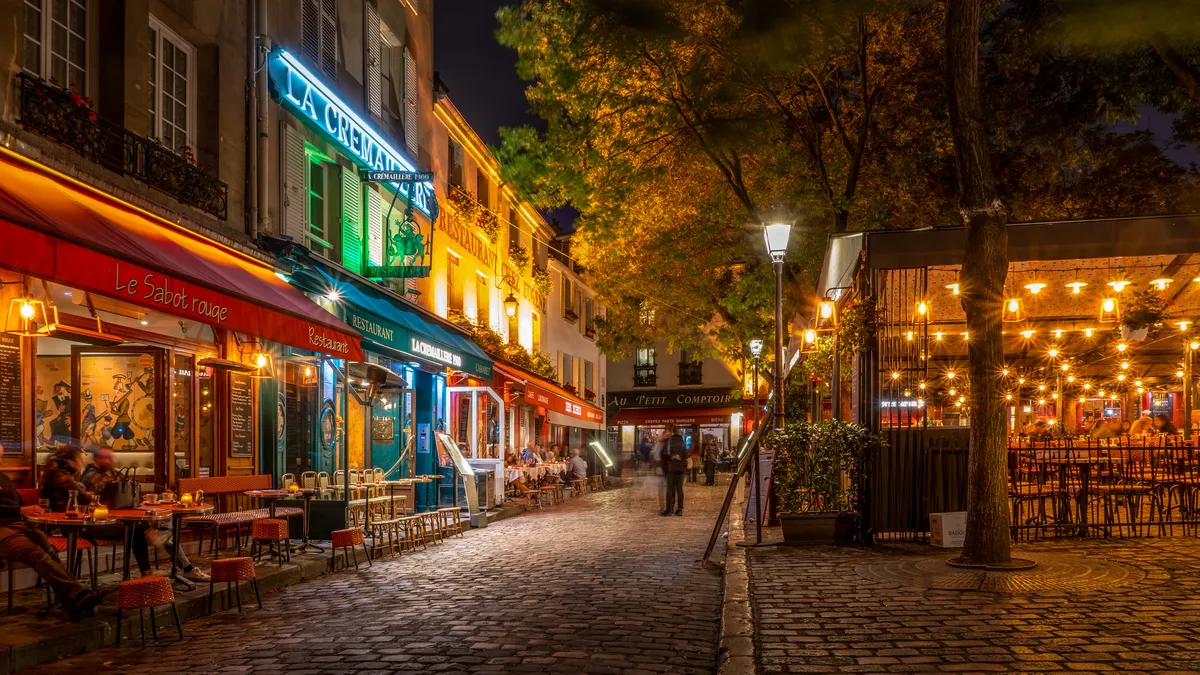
(71, 527)
(178, 513)
(131, 518)
(1085, 462)
(271, 497)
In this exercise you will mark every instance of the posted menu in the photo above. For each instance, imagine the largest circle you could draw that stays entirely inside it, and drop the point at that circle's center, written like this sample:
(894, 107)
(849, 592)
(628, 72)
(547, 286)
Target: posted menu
(10, 393)
(241, 415)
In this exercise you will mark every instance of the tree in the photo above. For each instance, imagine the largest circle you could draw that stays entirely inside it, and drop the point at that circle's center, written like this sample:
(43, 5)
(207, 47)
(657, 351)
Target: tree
(985, 265)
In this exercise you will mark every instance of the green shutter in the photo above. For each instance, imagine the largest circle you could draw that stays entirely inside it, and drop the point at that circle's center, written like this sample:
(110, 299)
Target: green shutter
(352, 230)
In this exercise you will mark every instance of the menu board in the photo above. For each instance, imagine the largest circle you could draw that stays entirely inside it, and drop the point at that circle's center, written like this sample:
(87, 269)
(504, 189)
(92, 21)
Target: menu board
(10, 393)
(241, 415)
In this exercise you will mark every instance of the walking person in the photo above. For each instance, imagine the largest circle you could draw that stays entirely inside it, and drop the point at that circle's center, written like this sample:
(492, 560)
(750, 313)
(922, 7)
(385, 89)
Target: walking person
(708, 454)
(676, 453)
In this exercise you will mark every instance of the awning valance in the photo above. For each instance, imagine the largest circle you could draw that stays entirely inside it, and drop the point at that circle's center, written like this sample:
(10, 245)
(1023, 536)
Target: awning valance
(388, 323)
(546, 394)
(631, 416)
(62, 231)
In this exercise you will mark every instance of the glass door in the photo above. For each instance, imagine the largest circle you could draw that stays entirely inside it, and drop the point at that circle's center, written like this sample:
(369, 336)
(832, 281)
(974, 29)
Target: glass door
(392, 440)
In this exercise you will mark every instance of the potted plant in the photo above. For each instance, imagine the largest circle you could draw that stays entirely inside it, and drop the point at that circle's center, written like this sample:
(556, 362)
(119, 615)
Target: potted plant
(1144, 310)
(816, 473)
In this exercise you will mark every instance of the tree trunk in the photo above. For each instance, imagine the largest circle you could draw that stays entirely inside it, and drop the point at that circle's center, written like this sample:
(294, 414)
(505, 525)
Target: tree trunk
(985, 265)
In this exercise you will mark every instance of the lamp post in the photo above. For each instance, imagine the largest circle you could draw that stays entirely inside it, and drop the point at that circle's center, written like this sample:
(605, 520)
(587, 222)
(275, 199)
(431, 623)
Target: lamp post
(776, 235)
(756, 347)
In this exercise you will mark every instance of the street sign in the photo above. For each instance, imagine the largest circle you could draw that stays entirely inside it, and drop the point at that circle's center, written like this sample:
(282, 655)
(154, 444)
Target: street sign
(373, 176)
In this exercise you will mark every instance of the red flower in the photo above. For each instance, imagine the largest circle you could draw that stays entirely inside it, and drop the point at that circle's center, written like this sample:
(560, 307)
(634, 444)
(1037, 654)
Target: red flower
(76, 99)
(92, 115)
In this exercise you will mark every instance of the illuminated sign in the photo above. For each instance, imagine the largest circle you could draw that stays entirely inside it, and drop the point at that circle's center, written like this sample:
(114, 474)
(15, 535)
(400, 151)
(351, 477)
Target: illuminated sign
(304, 93)
(397, 176)
(434, 352)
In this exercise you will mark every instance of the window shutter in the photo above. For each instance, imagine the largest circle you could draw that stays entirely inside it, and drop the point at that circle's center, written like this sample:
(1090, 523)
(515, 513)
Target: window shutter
(294, 189)
(410, 103)
(374, 227)
(310, 30)
(374, 59)
(329, 38)
(352, 229)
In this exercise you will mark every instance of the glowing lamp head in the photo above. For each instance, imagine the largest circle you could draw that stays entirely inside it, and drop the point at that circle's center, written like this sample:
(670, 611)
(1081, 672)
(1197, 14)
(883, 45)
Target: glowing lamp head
(776, 236)
(1014, 305)
(1121, 377)
(1041, 387)
(1183, 325)
(938, 336)
(1119, 285)
(908, 336)
(1020, 380)
(953, 288)
(1052, 352)
(810, 336)
(1088, 332)
(1041, 401)
(334, 295)
(1124, 365)
(1066, 367)
(1109, 304)
(1161, 283)
(756, 346)
(949, 374)
(26, 310)
(1028, 333)
(922, 308)
(1070, 378)
(1195, 345)
(1035, 287)
(826, 309)
(511, 305)
(260, 360)
(953, 391)
(921, 386)
(1179, 373)
(1077, 286)
(1087, 386)
(1121, 347)
(1004, 372)
(1008, 397)
(1058, 333)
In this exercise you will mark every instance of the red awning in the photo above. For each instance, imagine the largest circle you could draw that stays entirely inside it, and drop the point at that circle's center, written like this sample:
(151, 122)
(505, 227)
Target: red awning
(550, 396)
(62, 231)
(672, 416)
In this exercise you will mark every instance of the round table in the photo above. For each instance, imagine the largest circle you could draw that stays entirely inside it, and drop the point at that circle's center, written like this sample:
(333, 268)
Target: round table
(131, 518)
(178, 513)
(71, 527)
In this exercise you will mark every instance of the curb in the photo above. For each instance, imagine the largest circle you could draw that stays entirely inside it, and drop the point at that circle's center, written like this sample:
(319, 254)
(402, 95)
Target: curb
(735, 650)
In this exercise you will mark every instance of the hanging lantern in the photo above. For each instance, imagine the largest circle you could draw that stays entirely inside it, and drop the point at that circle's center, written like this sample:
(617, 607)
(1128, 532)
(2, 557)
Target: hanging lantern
(1121, 347)
(953, 288)
(263, 365)
(909, 336)
(1161, 283)
(1035, 287)
(1012, 310)
(809, 345)
(308, 376)
(1109, 310)
(1119, 285)
(922, 310)
(826, 314)
(1077, 286)
(23, 315)
(511, 305)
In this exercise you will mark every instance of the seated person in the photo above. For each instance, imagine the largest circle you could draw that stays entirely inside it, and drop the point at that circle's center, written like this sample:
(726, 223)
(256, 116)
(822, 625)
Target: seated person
(23, 543)
(100, 474)
(1141, 426)
(529, 455)
(61, 476)
(1164, 425)
(577, 466)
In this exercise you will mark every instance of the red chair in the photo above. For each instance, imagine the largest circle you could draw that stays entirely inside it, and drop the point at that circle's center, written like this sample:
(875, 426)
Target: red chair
(347, 540)
(233, 571)
(265, 532)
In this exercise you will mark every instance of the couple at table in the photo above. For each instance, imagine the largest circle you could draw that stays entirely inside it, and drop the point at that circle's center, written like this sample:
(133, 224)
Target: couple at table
(63, 475)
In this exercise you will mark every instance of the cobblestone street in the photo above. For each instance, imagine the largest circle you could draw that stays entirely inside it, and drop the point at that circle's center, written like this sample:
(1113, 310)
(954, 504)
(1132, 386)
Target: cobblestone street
(1134, 609)
(601, 584)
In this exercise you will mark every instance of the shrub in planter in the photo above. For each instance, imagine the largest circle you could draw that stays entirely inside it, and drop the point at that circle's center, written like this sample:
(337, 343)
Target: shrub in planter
(1144, 310)
(817, 471)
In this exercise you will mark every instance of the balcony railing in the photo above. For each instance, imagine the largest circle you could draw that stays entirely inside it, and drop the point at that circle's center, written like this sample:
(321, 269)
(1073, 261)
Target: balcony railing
(691, 373)
(645, 376)
(65, 117)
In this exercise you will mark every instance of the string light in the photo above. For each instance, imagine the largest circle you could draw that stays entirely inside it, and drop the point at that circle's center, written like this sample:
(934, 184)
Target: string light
(1087, 386)
(1183, 325)
(938, 336)
(1041, 387)
(1020, 380)
(1088, 332)
(895, 375)
(1124, 365)
(922, 308)
(1052, 352)
(907, 393)
(908, 336)
(1195, 345)
(949, 374)
(921, 386)
(1121, 377)
(1058, 333)
(1004, 372)
(953, 391)
(1041, 401)
(1066, 367)
(1120, 285)
(1008, 397)
(1137, 383)
(1070, 378)
(1028, 333)
(1121, 347)
(1077, 286)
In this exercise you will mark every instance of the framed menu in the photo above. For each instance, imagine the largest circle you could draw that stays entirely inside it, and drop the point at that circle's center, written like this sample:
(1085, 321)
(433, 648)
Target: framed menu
(10, 394)
(241, 415)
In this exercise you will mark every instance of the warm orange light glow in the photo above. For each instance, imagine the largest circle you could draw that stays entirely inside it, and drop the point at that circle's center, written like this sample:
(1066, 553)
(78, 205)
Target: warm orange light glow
(1035, 287)
(954, 288)
(1077, 286)
(1120, 285)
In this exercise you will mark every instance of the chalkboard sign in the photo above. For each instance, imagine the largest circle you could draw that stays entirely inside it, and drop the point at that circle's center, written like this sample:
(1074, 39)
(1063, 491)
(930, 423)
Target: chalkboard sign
(241, 415)
(10, 393)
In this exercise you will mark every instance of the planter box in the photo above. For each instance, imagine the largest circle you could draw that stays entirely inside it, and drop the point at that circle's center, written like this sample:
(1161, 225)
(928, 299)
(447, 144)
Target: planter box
(817, 528)
(947, 530)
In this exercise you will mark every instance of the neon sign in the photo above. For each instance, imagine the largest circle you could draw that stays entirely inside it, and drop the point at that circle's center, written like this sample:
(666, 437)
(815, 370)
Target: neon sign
(304, 93)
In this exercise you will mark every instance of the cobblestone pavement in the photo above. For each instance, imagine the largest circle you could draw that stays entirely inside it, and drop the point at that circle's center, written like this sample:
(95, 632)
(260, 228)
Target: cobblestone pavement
(815, 612)
(601, 584)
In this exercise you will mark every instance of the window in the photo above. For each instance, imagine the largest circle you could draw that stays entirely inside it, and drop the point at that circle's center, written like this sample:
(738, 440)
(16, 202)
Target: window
(645, 372)
(55, 44)
(454, 291)
(690, 368)
(171, 82)
(514, 228)
(390, 93)
(455, 157)
(589, 378)
(589, 319)
(567, 373)
(565, 296)
(318, 35)
(481, 189)
(317, 181)
(483, 300)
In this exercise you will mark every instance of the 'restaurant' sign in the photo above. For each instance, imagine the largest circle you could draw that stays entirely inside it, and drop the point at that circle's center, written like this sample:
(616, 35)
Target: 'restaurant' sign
(388, 334)
(671, 398)
(545, 398)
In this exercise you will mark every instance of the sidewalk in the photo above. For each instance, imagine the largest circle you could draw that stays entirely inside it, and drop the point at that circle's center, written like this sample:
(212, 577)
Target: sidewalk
(1091, 606)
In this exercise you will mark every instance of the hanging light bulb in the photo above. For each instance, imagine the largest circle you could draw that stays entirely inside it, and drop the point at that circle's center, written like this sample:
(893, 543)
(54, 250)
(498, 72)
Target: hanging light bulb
(1088, 332)
(1194, 345)
(966, 335)
(938, 336)
(1070, 378)
(1054, 396)
(895, 375)
(1041, 387)
(1028, 333)
(1008, 397)
(1035, 287)
(1052, 352)
(1004, 372)
(1137, 383)
(1087, 386)
(1020, 380)
(1140, 390)
(1124, 365)
(1077, 286)
(1100, 393)
(1119, 285)
(922, 309)
(907, 393)
(1179, 373)
(1109, 310)
(1041, 401)
(1121, 347)
(1183, 325)
(908, 336)
(1161, 283)
(921, 386)
(1066, 367)
(1012, 310)
(920, 403)
(953, 288)
(1058, 333)
(949, 374)
(953, 391)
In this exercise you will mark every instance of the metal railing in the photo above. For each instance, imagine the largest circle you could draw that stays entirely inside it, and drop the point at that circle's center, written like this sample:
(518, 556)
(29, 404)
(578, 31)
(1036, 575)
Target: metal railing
(691, 373)
(645, 376)
(66, 117)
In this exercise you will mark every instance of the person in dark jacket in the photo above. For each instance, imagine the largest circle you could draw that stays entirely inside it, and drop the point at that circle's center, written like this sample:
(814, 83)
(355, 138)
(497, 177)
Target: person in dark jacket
(60, 477)
(23, 543)
(675, 459)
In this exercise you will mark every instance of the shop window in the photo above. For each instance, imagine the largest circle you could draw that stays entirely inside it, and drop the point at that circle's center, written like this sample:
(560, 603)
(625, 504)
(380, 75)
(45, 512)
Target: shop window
(55, 42)
(645, 371)
(206, 438)
(172, 61)
(454, 286)
(318, 35)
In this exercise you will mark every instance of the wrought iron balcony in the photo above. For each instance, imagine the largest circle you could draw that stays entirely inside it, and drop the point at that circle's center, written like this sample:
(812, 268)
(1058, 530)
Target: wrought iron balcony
(645, 376)
(691, 373)
(67, 118)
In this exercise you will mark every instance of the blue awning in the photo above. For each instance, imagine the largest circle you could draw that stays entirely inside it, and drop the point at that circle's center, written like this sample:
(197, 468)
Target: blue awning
(386, 322)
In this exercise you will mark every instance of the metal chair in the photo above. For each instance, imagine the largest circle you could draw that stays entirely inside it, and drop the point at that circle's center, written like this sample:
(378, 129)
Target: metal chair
(308, 479)
(286, 480)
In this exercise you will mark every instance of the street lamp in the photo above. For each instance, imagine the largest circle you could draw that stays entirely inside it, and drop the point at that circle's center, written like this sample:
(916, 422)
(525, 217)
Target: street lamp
(776, 235)
(756, 348)
(511, 304)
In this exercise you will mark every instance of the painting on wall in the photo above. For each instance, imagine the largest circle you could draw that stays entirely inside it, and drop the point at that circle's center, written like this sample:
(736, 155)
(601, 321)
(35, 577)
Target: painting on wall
(117, 401)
